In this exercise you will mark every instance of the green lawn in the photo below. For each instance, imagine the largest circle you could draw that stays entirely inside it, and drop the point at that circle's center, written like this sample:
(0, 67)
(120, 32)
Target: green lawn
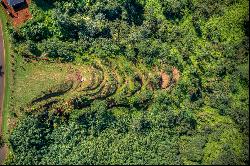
(31, 79)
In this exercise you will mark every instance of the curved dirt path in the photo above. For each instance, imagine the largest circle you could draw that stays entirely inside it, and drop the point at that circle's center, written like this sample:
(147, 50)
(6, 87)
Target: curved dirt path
(2, 70)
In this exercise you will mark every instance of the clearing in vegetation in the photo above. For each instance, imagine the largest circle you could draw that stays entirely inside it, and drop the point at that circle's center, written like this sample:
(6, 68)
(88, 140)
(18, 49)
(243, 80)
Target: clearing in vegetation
(112, 80)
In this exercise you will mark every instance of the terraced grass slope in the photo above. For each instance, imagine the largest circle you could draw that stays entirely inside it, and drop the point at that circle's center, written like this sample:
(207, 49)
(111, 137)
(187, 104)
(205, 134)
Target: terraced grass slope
(64, 87)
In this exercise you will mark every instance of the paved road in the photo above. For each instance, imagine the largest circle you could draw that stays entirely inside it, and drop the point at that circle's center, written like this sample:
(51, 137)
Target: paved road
(2, 150)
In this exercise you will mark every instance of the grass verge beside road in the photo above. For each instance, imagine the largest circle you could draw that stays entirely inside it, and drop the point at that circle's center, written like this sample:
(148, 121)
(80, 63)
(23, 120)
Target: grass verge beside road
(7, 93)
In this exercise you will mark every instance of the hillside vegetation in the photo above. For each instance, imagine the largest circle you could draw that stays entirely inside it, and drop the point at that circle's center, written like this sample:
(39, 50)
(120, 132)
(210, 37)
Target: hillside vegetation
(131, 82)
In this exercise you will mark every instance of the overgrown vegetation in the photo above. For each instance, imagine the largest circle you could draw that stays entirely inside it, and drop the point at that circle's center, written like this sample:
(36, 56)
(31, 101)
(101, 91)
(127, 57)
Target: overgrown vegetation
(104, 102)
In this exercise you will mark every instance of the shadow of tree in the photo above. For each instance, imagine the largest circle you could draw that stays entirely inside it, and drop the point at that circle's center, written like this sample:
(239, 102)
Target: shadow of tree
(135, 12)
(1, 72)
(44, 4)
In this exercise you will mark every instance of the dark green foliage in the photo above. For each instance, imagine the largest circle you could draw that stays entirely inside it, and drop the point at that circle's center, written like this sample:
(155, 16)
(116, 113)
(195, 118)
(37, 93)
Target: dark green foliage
(36, 32)
(1, 141)
(33, 144)
(174, 10)
(134, 12)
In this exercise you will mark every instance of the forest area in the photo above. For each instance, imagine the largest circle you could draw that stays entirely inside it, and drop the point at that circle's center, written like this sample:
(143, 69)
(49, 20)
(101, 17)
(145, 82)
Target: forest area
(131, 82)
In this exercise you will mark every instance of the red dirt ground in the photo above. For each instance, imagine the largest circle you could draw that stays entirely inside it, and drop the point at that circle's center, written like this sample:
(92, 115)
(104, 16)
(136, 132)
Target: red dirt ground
(165, 80)
(23, 15)
(176, 74)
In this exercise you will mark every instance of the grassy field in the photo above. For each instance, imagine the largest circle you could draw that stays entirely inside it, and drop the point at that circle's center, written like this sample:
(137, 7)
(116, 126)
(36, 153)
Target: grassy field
(31, 79)
(7, 72)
